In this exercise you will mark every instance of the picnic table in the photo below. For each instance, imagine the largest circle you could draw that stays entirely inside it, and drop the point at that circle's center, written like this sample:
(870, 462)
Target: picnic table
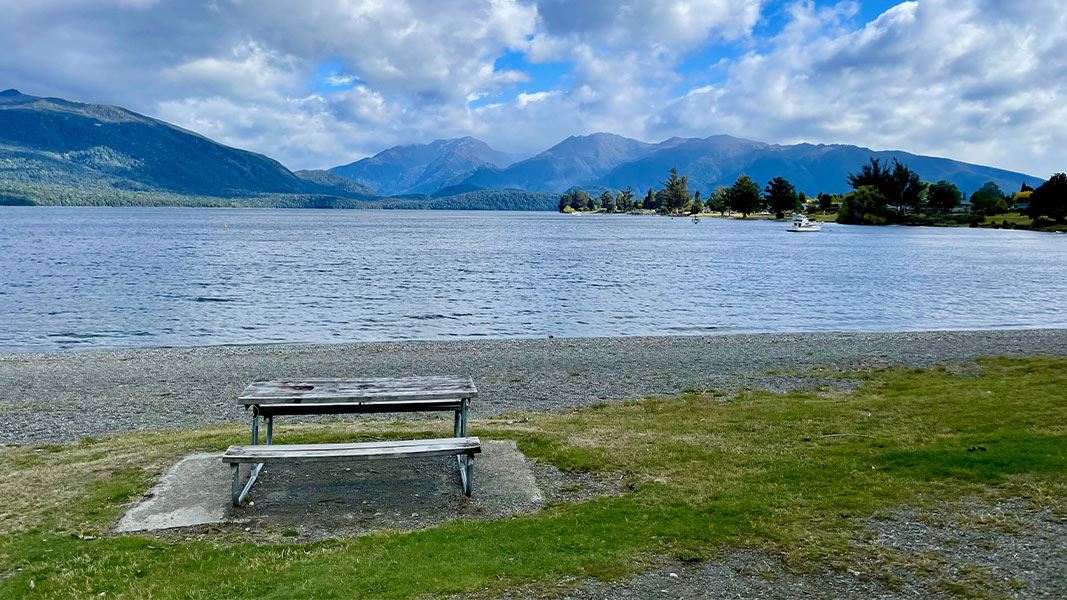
(269, 399)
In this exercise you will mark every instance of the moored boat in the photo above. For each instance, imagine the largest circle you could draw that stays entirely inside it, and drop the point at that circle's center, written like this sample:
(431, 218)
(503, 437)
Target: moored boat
(802, 224)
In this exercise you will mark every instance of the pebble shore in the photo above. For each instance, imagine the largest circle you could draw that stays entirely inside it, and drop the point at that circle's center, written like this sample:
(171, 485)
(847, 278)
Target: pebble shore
(64, 396)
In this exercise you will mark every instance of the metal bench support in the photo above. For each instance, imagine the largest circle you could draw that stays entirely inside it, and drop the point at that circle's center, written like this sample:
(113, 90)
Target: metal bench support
(466, 473)
(238, 494)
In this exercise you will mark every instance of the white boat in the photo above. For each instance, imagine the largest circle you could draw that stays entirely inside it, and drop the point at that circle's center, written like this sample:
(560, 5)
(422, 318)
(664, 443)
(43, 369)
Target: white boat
(802, 224)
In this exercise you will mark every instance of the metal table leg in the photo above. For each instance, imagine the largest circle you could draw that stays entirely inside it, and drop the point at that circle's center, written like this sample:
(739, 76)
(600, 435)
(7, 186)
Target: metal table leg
(253, 474)
(466, 461)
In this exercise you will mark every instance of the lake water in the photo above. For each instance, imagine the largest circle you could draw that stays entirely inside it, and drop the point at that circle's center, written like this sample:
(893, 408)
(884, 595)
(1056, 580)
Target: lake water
(114, 277)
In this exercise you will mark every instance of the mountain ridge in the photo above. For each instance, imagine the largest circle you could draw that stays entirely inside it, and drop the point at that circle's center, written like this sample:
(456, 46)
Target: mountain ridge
(422, 168)
(607, 160)
(57, 141)
(53, 146)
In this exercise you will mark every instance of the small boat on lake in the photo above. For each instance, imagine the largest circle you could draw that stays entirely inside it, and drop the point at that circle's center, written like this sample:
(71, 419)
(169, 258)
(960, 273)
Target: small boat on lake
(802, 224)
(696, 220)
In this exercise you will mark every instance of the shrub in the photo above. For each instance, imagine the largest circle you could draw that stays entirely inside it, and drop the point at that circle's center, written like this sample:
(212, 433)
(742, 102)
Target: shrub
(866, 205)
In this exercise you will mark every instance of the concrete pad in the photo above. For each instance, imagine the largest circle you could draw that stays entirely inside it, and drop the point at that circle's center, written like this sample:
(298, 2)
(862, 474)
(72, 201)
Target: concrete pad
(341, 499)
(192, 492)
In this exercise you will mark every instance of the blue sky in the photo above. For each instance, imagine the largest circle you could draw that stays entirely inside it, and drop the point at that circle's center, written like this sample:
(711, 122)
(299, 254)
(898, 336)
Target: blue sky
(983, 81)
(542, 76)
(698, 66)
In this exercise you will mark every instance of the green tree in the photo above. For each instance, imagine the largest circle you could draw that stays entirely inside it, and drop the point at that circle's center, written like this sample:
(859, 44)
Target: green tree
(989, 200)
(650, 200)
(717, 200)
(863, 206)
(582, 201)
(1050, 199)
(661, 201)
(744, 196)
(564, 202)
(905, 188)
(781, 196)
(899, 185)
(943, 196)
(676, 193)
(872, 174)
(697, 205)
(607, 201)
(624, 200)
(826, 201)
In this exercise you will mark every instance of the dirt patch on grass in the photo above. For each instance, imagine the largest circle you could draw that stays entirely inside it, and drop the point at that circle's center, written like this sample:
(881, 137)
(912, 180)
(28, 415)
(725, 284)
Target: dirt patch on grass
(1011, 549)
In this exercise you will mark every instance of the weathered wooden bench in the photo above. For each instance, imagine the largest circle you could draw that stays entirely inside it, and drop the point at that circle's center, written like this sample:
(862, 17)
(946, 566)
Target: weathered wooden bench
(268, 399)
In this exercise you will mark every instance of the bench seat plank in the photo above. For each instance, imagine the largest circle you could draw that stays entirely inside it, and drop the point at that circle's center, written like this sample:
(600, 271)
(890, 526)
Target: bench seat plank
(341, 408)
(354, 451)
(373, 389)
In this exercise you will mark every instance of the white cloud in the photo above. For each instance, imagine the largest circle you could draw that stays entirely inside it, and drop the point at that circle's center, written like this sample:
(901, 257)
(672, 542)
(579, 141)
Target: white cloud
(525, 99)
(979, 80)
(248, 71)
(964, 78)
(339, 80)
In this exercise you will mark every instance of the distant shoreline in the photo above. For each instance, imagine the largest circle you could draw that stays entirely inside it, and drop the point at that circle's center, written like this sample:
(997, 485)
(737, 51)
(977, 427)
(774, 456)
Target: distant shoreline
(993, 222)
(1000, 221)
(88, 196)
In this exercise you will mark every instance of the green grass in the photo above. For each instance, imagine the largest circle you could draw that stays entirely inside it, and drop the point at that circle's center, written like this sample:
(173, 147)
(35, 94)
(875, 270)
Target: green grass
(824, 217)
(1021, 221)
(1013, 218)
(793, 473)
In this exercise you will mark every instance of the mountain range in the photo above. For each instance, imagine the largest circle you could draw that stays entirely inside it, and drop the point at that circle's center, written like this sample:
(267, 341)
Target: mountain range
(609, 161)
(59, 151)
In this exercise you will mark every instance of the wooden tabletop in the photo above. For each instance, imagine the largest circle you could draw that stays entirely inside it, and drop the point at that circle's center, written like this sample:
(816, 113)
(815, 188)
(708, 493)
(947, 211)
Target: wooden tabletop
(374, 389)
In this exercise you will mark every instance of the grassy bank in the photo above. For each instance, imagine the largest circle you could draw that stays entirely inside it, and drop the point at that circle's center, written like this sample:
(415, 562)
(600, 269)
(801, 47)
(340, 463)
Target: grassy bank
(998, 221)
(1017, 221)
(795, 474)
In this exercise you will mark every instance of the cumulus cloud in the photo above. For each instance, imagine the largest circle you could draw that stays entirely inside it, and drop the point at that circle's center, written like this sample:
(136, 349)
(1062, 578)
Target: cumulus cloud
(972, 79)
(333, 80)
(671, 26)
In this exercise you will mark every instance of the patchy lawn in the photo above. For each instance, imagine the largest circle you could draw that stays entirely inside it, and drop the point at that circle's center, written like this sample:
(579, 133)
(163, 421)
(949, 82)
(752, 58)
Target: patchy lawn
(796, 474)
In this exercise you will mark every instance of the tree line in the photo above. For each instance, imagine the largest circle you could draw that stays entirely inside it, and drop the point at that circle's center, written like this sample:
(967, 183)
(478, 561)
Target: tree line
(893, 193)
(882, 192)
(674, 198)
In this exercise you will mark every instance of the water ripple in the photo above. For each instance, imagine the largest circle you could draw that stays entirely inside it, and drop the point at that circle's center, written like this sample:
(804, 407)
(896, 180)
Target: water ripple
(102, 277)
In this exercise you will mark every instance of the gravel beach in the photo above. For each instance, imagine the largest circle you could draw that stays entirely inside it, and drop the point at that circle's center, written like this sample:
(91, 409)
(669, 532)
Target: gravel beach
(64, 396)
